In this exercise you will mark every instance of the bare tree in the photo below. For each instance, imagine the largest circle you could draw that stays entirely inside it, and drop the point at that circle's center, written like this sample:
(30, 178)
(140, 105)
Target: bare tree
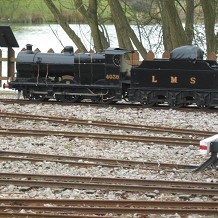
(167, 42)
(91, 17)
(209, 9)
(121, 31)
(189, 21)
(123, 28)
(174, 33)
(172, 25)
(63, 23)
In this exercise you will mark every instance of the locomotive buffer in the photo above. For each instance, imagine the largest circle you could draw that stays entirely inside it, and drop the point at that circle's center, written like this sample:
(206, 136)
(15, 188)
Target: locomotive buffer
(209, 145)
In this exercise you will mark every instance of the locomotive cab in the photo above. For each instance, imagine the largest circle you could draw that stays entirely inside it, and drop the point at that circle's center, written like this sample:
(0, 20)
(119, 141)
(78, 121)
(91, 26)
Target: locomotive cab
(117, 66)
(118, 70)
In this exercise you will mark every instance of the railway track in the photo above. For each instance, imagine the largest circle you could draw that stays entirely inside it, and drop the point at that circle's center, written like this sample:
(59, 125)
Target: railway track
(99, 208)
(60, 208)
(117, 105)
(132, 138)
(108, 184)
(89, 161)
(110, 125)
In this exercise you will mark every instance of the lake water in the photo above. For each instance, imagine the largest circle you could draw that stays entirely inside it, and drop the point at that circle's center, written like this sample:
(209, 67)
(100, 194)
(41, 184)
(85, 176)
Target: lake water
(53, 36)
(47, 36)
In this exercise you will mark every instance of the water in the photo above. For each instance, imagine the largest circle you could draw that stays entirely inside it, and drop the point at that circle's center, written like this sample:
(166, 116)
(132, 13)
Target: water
(53, 36)
(47, 36)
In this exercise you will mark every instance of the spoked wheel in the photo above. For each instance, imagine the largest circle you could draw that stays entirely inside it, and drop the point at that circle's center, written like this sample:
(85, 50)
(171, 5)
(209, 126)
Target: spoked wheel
(108, 99)
(206, 106)
(39, 97)
(176, 105)
(68, 98)
(200, 106)
(58, 97)
(148, 103)
(26, 94)
(96, 99)
(104, 99)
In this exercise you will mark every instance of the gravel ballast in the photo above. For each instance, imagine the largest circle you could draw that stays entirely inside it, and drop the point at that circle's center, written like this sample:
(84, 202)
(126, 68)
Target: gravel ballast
(137, 151)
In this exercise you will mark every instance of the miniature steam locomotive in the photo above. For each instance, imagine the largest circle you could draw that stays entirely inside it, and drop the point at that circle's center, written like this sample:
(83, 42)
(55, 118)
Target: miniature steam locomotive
(70, 77)
(183, 79)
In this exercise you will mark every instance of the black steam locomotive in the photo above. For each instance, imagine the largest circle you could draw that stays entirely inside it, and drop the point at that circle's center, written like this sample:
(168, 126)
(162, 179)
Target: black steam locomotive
(183, 79)
(70, 77)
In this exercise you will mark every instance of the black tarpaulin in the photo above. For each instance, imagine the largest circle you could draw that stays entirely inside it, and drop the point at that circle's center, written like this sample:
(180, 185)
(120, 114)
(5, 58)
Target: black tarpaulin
(188, 52)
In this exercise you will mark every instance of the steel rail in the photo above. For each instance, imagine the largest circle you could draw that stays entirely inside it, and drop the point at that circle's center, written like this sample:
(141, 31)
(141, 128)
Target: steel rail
(117, 105)
(109, 203)
(109, 186)
(100, 207)
(117, 163)
(43, 214)
(108, 180)
(113, 210)
(115, 125)
(135, 138)
(89, 161)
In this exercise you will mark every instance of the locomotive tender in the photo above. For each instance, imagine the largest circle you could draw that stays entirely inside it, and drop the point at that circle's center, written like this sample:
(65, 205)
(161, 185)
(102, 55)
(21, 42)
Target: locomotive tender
(183, 79)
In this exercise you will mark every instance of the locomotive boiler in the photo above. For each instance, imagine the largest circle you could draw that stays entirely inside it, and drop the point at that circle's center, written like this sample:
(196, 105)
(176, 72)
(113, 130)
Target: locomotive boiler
(70, 77)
